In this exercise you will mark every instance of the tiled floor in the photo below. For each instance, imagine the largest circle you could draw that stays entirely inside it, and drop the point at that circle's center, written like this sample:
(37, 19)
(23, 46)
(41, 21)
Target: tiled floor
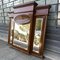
(8, 53)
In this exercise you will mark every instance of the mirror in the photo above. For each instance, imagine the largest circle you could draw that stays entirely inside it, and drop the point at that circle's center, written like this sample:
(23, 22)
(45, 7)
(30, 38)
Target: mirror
(37, 35)
(21, 31)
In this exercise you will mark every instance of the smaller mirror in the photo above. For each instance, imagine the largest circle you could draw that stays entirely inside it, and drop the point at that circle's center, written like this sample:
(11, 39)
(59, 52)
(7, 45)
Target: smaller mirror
(37, 36)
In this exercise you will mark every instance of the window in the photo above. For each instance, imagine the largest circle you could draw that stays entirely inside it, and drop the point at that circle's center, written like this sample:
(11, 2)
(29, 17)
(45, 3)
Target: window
(10, 4)
(5, 1)
(59, 1)
(6, 9)
(41, 2)
(51, 1)
(1, 11)
(5, 5)
(27, 0)
(0, 3)
(59, 7)
(11, 0)
(53, 16)
(58, 22)
(58, 14)
(51, 23)
(0, 14)
(53, 8)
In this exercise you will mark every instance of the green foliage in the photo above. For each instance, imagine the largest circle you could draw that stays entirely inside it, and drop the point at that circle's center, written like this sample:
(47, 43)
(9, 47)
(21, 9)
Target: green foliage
(38, 25)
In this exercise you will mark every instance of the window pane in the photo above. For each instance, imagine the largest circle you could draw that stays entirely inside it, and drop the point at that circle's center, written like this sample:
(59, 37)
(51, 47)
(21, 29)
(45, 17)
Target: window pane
(58, 22)
(7, 10)
(51, 23)
(1, 21)
(1, 18)
(59, 7)
(59, 15)
(54, 8)
(53, 16)
(17, 2)
(0, 3)
(10, 4)
(7, 18)
(28, 0)
(0, 14)
(11, 0)
(41, 2)
(59, 1)
(37, 36)
(5, 5)
(0, 6)
(51, 1)
(11, 8)
(5, 14)
(1, 11)
(5, 1)
(7, 21)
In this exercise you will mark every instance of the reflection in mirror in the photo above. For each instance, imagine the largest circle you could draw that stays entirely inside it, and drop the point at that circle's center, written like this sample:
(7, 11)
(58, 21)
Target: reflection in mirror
(37, 36)
(21, 32)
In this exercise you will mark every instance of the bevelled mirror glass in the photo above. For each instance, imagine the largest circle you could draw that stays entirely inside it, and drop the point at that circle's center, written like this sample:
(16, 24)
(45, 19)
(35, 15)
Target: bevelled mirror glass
(37, 35)
(21, 31)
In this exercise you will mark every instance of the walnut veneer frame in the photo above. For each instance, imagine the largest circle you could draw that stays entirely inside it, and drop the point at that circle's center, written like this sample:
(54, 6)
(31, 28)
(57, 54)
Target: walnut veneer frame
(38, 11)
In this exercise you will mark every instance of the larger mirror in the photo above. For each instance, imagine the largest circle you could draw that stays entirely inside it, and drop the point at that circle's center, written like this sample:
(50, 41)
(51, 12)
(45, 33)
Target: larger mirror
(21, 31)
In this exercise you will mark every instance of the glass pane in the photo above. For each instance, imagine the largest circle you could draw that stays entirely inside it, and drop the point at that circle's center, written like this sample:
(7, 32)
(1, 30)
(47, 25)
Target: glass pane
(5, 5)
(5, 1)
(40, 2)
(59, 7)
(51, 1)
(59, 15)
(53, 16)
(7, 18)
(51, 22)
(0, 3)
(18, 2)
(28, 0)
(1, 21)
(58, 22)
(7, 10)
(0, 6)
(0, 14)
(11, 9)
(7, 22)
(37, 36)
(10, 4)
(1, 11)
(54, 8)
(59, 1)
(5, 14)
(11, 0)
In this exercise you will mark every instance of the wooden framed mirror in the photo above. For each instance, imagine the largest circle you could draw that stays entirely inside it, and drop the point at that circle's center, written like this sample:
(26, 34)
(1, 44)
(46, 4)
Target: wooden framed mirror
(21, 31)
(23, 16)
(28, 28)
(40, 30)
